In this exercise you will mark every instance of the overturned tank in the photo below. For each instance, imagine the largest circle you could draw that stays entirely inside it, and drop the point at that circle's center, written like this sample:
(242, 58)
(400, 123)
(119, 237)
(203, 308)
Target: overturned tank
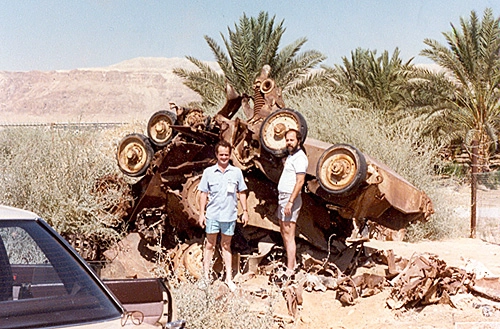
(344, 187)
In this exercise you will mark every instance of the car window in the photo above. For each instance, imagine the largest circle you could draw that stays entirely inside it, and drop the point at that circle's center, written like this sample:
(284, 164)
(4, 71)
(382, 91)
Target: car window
(42, 284)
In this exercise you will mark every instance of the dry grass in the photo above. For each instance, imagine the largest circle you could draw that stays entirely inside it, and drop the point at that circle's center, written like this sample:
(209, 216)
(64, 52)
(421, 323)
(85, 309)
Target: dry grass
(213, 306)
(52, 172)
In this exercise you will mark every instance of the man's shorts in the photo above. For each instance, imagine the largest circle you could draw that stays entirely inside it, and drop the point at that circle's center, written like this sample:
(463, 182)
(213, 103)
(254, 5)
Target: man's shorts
(282, 201)
(214, 226)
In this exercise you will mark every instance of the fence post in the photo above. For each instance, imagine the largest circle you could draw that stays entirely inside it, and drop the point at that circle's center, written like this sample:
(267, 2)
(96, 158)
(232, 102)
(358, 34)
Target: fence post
(473, 187)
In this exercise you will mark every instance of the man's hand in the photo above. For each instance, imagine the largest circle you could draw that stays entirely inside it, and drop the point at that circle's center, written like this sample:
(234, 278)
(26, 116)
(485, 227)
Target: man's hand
(288, 208)
(202, 220)
(244, 218)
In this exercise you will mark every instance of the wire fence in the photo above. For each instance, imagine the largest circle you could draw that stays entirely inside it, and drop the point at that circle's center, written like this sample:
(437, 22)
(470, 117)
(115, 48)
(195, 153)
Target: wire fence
(79, 125)
(488, 206)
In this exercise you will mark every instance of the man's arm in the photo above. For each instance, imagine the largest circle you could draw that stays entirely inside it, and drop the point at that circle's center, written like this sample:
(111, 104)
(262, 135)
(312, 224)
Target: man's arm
(203, 203)
(244, 205)
(299, 182)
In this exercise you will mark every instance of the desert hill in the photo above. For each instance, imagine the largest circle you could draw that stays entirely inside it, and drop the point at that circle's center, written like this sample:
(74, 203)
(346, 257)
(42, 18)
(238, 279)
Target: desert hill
(130, 90)
(127, 91)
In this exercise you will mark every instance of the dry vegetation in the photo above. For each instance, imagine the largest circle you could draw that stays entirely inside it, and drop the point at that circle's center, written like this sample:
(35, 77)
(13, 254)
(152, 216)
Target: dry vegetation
(52, 172)
(400, 145)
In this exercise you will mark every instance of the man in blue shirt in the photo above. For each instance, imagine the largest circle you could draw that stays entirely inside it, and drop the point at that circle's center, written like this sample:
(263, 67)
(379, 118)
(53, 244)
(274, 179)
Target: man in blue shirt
(289, 199)
(220, 185)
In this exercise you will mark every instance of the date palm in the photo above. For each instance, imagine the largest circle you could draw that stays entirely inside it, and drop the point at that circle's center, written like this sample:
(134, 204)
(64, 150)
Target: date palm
(254, 42)
(472, 62)
(471, 59)
(367, 80)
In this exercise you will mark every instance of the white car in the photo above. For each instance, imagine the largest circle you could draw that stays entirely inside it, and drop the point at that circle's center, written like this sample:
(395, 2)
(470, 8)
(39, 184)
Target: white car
(44, 283)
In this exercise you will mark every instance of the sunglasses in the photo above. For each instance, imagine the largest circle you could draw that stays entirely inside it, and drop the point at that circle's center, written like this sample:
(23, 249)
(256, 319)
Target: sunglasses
(137, 317)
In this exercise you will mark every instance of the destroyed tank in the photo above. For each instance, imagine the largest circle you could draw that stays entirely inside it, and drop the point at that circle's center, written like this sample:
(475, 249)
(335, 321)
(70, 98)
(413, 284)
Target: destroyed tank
(345, 189)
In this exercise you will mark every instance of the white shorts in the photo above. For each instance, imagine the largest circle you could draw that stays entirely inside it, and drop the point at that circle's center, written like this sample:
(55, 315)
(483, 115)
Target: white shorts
(283, 199)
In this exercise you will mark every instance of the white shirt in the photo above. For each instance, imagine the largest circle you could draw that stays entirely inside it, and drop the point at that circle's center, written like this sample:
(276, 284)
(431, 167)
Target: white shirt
(294, 164)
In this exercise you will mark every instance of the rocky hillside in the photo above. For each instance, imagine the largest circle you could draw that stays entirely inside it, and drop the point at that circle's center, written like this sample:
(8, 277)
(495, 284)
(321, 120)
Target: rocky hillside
(130, 90)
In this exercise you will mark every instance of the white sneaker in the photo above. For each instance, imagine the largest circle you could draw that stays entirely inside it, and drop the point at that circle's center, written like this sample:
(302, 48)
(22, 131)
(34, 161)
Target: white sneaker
(231, 286)
(203, 284)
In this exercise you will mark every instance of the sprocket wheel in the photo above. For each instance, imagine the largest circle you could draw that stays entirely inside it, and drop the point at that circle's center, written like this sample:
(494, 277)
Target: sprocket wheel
(191, 197)
(194, 118)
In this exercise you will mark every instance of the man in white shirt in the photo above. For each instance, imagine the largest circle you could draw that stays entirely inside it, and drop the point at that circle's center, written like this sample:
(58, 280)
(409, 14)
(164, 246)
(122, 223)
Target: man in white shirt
(289, 199)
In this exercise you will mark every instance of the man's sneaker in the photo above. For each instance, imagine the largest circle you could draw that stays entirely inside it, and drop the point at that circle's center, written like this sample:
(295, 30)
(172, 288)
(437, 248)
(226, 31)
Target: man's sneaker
(202, 284)
(231, 286)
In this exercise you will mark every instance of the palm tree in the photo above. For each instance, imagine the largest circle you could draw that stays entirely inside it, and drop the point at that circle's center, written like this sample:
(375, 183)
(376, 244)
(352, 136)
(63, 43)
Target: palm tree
(472, 62)
(368, 80)
(253, 43)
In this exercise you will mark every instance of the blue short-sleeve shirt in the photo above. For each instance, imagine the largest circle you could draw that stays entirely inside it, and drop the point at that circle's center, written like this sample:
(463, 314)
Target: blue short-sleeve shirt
(222, 189)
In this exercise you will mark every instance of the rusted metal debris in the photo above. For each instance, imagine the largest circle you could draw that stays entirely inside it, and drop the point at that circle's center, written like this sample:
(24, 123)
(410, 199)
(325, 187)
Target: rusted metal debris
(487, 287)
(346, 190)
(427, 280)
(422, 280)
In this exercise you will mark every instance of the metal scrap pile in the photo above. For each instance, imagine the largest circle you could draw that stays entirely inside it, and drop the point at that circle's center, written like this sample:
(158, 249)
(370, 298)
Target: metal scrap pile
(422, 280)
(427, 280)
(347, 192)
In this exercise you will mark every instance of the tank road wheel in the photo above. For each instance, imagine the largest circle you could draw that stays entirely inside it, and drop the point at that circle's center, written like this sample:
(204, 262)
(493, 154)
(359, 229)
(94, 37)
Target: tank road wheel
(115, 196)
(194, 118)
(341, 169)
(193, 260)
(191, 197)
(134, 154)
(159, 129)
(272, 131)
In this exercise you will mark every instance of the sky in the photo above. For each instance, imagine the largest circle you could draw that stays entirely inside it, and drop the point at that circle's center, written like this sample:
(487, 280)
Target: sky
(69, 34)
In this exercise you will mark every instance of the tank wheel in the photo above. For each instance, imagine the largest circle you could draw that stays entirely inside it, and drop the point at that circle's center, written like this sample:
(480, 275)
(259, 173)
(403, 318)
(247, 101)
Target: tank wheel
(193, 259)
(272, 131)
(191, 197)
(115, 195)
(134, 155)
(159, 127)
(341, 169)
(194, 118)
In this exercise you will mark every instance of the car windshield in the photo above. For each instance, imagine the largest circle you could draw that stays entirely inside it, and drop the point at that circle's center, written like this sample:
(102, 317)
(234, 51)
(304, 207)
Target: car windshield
(42, 284)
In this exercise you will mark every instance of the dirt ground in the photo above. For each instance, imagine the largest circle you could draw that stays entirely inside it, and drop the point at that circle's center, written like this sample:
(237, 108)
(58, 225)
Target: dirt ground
(321, 310)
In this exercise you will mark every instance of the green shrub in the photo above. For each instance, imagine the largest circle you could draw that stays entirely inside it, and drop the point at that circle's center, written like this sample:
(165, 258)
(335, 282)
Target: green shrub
(52, 172)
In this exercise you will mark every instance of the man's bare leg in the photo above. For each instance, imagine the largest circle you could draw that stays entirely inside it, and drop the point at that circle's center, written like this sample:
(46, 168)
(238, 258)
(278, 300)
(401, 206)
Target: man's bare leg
(227, 257)
(287, 229)
(208, 253)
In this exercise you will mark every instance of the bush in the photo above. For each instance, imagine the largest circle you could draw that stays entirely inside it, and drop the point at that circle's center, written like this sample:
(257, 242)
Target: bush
(52, 172)
(212, 307)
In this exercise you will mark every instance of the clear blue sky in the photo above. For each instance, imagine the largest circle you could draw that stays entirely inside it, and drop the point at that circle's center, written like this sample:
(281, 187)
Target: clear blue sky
(68, 34)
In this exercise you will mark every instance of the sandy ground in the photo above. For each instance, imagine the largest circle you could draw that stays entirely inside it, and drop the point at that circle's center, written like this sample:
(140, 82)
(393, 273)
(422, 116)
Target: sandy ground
(321, 310)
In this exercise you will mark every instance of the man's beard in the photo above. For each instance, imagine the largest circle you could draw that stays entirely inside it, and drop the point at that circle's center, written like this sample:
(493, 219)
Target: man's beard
(292, 149)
